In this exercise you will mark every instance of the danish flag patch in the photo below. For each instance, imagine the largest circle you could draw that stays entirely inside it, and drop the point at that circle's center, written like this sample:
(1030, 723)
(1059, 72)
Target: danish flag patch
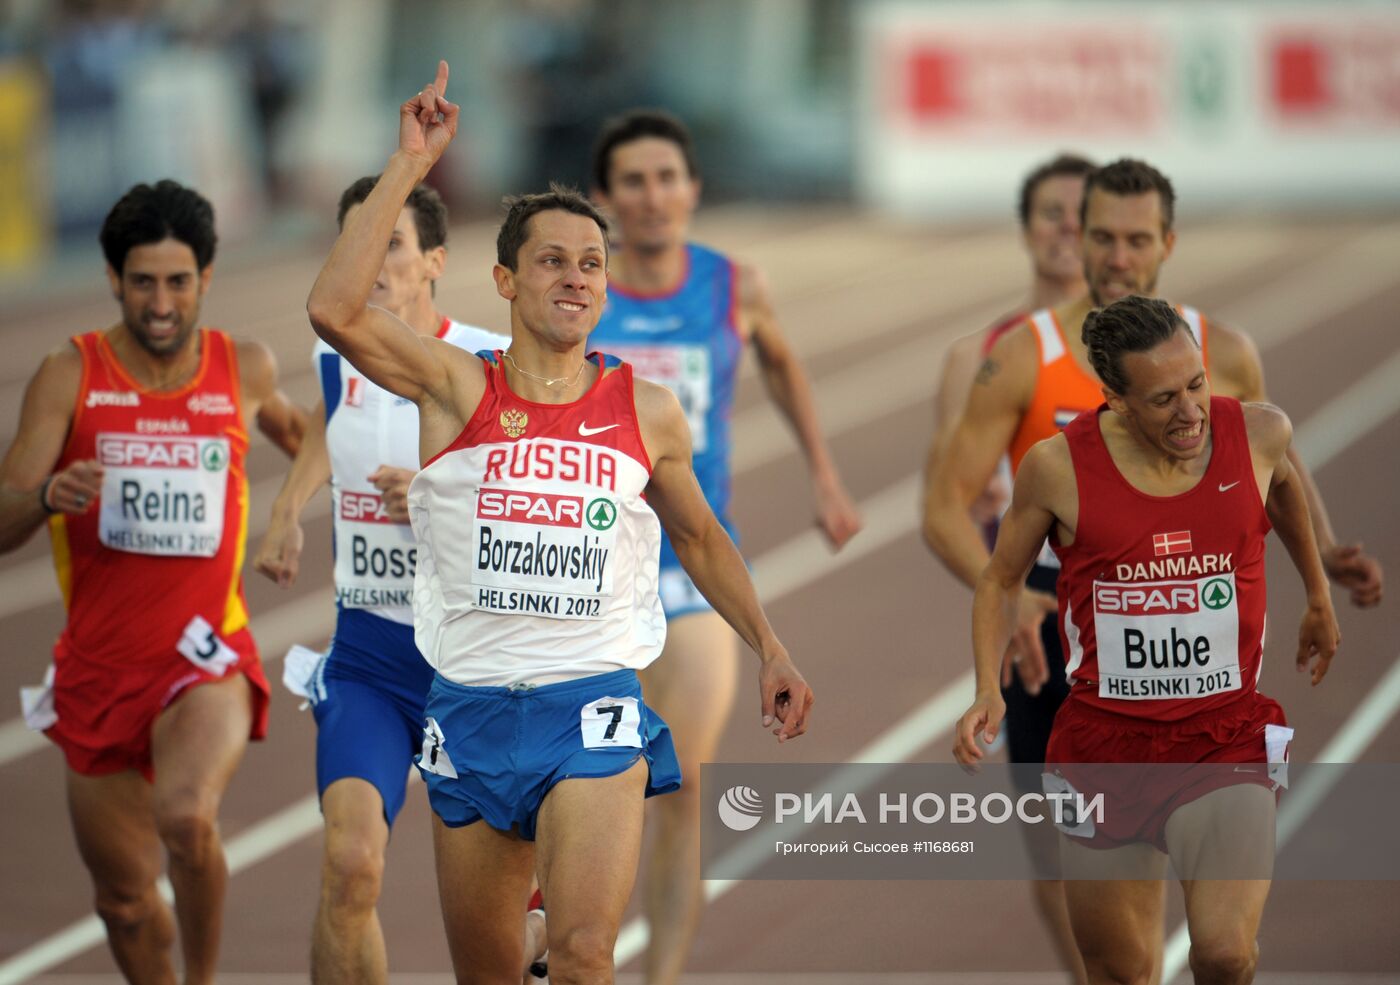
(1172, 543)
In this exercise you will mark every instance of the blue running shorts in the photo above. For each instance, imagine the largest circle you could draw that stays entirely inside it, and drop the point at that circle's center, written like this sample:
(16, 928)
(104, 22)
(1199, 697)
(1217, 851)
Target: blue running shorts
(493, 753)
(367, 695)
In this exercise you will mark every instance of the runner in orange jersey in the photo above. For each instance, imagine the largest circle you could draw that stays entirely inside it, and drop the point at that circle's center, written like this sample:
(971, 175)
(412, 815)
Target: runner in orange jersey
(131, 446)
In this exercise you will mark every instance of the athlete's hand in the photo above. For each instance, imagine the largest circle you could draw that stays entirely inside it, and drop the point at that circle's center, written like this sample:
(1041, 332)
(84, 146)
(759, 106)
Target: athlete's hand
(279, 554)
(392, 484)
(786, 697)
(1318, 637)
(837, 515)
(428, 122)
(982, 720)
(75, 489)
(1356, 571)
(1026, 654)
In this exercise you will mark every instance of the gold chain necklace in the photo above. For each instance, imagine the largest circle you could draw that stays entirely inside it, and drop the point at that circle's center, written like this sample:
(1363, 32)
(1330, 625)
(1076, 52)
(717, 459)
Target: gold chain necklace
(562, 382)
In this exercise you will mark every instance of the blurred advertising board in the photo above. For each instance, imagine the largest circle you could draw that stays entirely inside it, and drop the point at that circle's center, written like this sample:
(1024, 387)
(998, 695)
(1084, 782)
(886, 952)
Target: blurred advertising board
(23, 190)
(1275, 104)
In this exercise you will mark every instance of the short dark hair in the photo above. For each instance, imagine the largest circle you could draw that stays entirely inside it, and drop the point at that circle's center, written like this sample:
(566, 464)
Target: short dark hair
(1063, 166)
(520, 209)
(1130, 324)
(151, 213)
(1128, 176)
(634, 125)
(429, 210)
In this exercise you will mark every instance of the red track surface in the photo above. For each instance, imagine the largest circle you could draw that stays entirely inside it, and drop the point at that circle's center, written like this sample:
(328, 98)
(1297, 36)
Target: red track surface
(872, 306)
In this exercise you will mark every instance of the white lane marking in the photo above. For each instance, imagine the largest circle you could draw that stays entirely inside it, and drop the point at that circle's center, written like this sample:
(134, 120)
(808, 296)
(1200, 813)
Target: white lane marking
(784, 569)
(1362, 406)
(1318, 291)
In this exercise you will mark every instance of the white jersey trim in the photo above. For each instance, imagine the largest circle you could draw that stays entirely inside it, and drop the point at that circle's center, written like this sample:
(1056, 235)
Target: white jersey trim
(1052, 347)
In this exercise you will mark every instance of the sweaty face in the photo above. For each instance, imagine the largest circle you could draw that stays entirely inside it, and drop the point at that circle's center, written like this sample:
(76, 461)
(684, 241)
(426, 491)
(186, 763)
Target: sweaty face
(408, 272)
(651, 192)
(160, 289)
(1124, 245)
(1052, 229)
(561, 278)
(1168, 396)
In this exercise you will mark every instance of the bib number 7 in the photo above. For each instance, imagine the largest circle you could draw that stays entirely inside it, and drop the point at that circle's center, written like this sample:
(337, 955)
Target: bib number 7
(609, 722)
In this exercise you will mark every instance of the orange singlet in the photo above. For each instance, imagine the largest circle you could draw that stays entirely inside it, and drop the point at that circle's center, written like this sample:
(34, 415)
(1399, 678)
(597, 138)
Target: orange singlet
(1063, 390)
(151, 573)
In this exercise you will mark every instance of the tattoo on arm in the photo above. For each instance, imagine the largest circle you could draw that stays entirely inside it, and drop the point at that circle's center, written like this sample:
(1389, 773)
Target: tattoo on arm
(988, 370)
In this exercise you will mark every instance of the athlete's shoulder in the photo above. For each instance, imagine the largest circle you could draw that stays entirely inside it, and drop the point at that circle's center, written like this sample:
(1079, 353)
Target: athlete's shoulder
(1268, 427)
(1010, 365)
(1236, 369)
(473, 338)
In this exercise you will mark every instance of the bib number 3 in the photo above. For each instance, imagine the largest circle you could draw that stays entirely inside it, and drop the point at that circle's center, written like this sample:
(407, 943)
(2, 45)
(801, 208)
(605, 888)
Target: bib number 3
(610, 722)
(201, 646)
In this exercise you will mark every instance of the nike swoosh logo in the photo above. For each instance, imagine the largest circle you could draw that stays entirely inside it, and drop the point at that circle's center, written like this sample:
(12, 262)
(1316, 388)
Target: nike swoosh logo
(587, 431)
(1227, 488)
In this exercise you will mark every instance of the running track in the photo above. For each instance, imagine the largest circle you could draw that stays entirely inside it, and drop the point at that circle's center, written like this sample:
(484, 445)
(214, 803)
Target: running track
(880, 630)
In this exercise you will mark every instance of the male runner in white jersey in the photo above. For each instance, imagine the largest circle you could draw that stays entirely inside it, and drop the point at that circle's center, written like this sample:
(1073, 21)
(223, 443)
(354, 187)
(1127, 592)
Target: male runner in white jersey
(368, 690)
(1162, 475)
(682, 315)
(536, 595)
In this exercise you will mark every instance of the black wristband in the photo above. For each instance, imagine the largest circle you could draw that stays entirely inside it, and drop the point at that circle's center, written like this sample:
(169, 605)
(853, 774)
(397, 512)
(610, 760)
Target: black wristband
(44, 496)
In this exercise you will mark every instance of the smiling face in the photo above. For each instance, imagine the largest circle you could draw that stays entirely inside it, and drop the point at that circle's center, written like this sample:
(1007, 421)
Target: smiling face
(160, 290)
(1125, 244)
(1167, 399)
(1052, 227)
(651, 192)
(560, 282)
(407, 275)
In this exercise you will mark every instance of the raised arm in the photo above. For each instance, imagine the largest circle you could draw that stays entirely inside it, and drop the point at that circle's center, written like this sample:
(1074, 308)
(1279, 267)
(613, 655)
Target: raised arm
(28, 492)
(1043, 488)
(279, 555)
(789, 388)
(1236, 371)
(1270, 435)
(378, 344)
(712, 560)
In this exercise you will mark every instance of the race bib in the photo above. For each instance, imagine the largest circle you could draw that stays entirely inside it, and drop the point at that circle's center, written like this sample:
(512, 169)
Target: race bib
(201, 646)
(433, 757)
(544, 554)
(374, 556)
(163, 494)
(1167, 639)
(611, 722)
(685, 371)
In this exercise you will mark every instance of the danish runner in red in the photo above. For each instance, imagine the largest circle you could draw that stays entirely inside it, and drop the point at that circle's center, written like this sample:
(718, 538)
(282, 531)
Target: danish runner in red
(1157, 505)
(131, 445)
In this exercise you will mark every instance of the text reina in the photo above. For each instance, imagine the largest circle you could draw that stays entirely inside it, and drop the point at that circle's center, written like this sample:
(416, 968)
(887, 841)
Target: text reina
(547, 460)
